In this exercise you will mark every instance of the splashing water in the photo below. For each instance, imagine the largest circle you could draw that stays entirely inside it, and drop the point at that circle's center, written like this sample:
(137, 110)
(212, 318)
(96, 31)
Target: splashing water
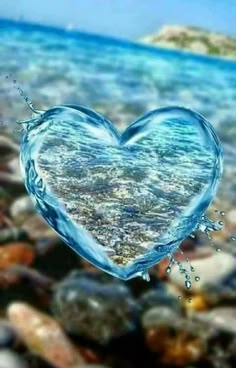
(123, 202)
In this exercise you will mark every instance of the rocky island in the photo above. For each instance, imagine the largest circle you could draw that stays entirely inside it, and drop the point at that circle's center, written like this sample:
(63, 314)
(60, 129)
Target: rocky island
(193, 39)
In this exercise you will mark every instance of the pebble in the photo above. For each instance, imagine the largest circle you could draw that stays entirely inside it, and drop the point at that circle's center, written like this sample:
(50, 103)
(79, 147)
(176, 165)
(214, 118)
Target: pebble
(43, 336)
(16, 253)
(159, 296)
(177, 340)
(21, 209)
(9, 359)
(8, 149)
(212, 270)
(157, 316)
(95, 306)
(37, 228)
(12, 183)
(11, 234)
(230, 218)
(221, 318)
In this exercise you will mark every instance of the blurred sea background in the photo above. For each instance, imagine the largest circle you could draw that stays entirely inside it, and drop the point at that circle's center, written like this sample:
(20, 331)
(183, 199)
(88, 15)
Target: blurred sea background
(56, 309)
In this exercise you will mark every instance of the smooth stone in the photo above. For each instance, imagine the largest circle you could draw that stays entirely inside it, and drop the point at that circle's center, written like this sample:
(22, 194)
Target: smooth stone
(43, 336)
(11, 234)
(14, 166)
(231, 218)
(221, 318)
(94, 306)
(157, 316)
(21, 208)
(8, 149)
(8, 359)
(17, 253)
(13, 183)
(212, 270)
(159, 296)
(37, 228)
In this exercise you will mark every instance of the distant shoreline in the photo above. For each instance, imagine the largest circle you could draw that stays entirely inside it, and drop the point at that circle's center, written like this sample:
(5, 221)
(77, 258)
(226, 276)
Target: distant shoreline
(193, 40)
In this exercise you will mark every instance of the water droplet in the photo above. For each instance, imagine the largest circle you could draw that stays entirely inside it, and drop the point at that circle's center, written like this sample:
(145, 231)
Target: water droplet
(146, 276)
(179, 297)
(168, 270)
(197, 278)
(221, 222)
(188, 284)
(190, 300)
(233, 238)
(222, 213)
(192, 269)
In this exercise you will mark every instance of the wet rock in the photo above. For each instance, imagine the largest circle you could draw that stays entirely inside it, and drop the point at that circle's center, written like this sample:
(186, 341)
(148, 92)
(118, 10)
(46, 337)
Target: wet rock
(8, 149)
(37, 228)
(11, 234)
(21, 209)
(94, 306)
(15, 253)
(43, 336)
(7, 335)
(8, 359)
(157, 316)
(212, 270)
(230, 218)
(197, 303)
(177, 340)
(221, 318)
(159, 296)
(13, 183)
(14, 167)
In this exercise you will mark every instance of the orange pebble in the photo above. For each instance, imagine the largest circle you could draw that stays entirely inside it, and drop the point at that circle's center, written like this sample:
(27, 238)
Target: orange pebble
(15, 253)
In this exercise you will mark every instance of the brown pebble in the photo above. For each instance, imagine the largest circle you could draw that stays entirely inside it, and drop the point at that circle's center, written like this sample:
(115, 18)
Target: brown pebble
(15, 253)
(43, 336)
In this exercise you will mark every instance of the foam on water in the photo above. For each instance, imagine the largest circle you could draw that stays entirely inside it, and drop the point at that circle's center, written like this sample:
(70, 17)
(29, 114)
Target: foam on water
(123, 202)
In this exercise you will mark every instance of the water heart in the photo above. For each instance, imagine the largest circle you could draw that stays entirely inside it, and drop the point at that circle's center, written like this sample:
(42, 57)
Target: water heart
(125, 201)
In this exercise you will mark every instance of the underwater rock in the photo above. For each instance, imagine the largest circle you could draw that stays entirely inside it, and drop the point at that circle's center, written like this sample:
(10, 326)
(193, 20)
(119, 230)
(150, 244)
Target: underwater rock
(7, 335)
(94, 306)
(21, 209)
(43, 336)
(16, 253)
(211, 270)
(8, 359)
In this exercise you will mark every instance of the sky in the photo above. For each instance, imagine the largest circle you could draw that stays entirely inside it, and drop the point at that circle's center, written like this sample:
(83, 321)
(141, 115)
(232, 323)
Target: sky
(129, 19)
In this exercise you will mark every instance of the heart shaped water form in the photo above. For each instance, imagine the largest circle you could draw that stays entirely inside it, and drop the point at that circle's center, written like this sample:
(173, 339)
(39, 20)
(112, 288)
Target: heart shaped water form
(122, 201)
